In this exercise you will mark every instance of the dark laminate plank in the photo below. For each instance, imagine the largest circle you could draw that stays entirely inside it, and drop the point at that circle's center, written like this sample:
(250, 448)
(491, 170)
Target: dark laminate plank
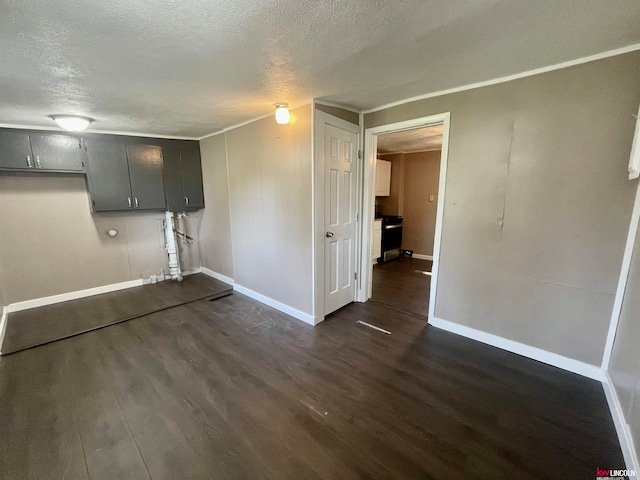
(235, 389)
(398, 285)
(46, 324)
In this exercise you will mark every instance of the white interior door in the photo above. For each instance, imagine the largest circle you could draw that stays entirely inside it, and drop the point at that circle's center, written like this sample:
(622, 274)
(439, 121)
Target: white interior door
(340, 212)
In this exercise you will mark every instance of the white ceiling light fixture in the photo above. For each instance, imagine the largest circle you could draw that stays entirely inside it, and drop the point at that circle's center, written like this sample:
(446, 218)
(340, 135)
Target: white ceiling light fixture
(72, 123)
(282, 113)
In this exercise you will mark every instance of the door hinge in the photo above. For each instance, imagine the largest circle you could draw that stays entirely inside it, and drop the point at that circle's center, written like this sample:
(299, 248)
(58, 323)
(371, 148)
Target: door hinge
(359, 154)
(355, 275)
(357, 217)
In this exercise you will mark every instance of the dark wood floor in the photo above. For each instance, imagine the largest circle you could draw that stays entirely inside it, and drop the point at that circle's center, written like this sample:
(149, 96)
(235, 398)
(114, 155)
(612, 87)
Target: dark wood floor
(400, 285)
(234, 389)
(38, 326)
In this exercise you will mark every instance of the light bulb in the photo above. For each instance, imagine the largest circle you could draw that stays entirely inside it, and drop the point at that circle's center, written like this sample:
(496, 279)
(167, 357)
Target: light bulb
(282, 113)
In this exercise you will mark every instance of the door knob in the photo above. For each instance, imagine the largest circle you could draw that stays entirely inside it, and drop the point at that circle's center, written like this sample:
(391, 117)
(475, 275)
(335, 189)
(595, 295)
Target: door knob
(328, 234)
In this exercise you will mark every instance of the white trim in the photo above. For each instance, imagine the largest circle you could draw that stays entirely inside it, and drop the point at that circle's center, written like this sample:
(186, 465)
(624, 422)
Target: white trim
(65, 297)
(634, 157)
(101, 132)
(305, 317)
(3, 326)
(320, 120)
(366, 288)
(495, 81)
(217, 276)
(254, 119)
(560, 361)
(622, 281)
(336, 105)
(625, 438)
(420, 256)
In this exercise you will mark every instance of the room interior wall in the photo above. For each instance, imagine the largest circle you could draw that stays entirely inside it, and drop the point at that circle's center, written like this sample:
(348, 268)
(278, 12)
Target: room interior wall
(53, 244)
(393, 204)
(216, 220)
(624, 366)
(270, 190)
(347, 115)
(537, 203)
(421, 175)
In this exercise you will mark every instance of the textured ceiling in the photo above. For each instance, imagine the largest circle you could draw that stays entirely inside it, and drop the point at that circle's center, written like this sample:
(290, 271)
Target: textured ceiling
(416, 140)
(192, 67)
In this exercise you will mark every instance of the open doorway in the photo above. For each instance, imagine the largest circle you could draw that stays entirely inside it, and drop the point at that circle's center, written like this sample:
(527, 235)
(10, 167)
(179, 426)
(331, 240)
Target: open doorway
(406, 195)
(403, 205)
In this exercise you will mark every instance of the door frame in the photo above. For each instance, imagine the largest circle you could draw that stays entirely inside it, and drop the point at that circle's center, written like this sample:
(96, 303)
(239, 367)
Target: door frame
(320, 119)
(365, 286)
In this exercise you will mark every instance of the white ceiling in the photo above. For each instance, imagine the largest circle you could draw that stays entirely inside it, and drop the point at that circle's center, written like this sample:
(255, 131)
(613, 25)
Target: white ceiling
(416, 140)
(192, 67)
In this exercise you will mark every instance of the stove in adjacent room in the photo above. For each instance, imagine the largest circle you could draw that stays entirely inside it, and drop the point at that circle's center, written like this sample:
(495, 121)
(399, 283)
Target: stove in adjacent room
(391, 237)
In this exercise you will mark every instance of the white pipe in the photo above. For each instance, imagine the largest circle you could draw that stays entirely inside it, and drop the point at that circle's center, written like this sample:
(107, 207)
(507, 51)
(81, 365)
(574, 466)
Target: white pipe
(172, 249)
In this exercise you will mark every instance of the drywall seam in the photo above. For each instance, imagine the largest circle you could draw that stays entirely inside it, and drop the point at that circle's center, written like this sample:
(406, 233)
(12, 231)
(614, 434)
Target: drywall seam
(495, 81)
(65, 297)
(560, 361)
(627, 445)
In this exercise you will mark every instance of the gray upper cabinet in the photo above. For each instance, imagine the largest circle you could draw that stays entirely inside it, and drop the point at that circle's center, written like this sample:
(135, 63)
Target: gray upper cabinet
(58, 152)
(145, 170)
(183, 176)
(15, 150)
(124, 177)
(33, 151)
(108, 176)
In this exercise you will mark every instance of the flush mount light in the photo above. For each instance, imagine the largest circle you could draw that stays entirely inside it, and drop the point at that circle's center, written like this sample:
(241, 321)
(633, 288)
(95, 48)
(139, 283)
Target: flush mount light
(72, 123)
(282, 113)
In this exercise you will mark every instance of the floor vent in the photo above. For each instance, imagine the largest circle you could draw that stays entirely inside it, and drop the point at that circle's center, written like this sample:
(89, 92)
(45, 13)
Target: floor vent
(221, 295)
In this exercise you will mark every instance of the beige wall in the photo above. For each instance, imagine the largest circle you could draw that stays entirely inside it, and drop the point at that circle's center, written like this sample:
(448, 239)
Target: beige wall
(548, 153)
(270, 192)
(216, 222)
(393, 204)
(52, 244)
(347, 115)
(421, 174)
(624, 367)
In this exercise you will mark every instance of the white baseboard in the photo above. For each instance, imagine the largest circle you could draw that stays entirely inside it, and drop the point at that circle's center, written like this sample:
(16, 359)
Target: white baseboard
(65, 297)
(3, 326)
(565, 363)
(420, 256)
(217, 276)
(305, 317)
(625, 438)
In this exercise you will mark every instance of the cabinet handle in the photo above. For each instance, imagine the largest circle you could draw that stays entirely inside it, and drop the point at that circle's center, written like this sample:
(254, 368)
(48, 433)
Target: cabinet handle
(29, 164)
(38, 161)
(136, 200)
(186, 200)
(129, 200)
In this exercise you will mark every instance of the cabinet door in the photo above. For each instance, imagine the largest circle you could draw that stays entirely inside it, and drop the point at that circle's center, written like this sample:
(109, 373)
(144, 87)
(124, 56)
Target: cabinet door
(57, 152)
(145, 170)
(108, 176)
(15, 151)
(173, 177)
(383, 178)
(377, 245)
(191, 167)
